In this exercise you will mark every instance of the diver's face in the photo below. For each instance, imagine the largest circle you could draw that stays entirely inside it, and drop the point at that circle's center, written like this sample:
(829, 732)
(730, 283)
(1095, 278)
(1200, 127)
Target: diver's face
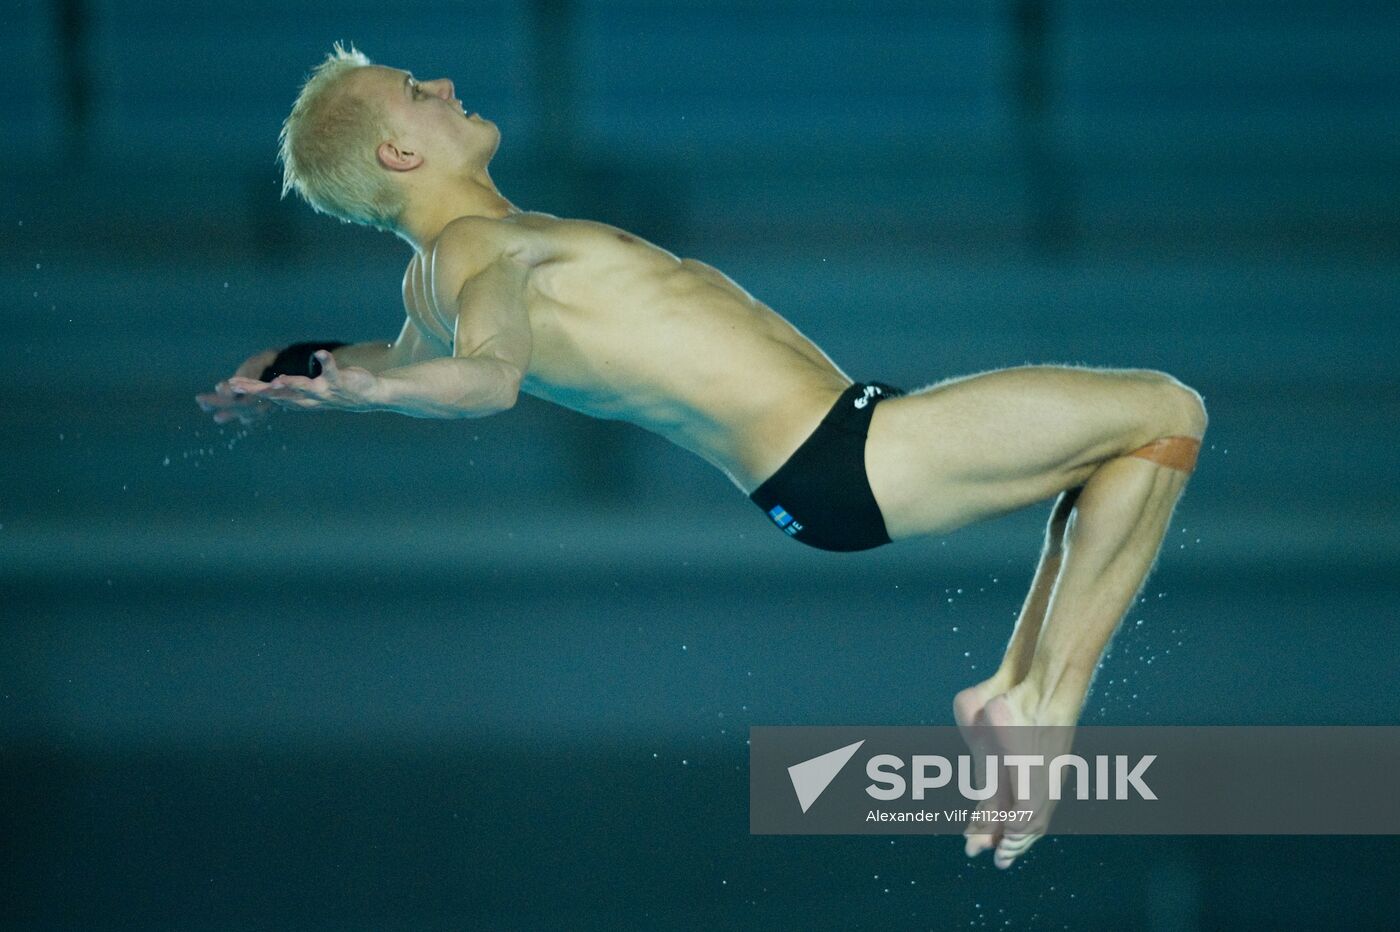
(429, 119)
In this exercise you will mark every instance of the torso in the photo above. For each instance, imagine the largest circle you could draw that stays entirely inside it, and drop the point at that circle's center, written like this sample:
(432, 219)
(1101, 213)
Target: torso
(625, 330)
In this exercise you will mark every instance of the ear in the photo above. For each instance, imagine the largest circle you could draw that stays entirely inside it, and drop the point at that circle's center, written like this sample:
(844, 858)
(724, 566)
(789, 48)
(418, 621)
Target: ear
(397, 159)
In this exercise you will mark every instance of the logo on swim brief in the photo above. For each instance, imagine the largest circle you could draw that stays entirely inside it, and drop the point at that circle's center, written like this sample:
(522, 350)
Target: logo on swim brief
(784, 520)
(870, 392)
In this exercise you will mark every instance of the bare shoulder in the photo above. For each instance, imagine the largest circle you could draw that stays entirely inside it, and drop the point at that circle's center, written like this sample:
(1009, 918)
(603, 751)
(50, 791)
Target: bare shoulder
(479, 241)
(467, 245)
(464, 249)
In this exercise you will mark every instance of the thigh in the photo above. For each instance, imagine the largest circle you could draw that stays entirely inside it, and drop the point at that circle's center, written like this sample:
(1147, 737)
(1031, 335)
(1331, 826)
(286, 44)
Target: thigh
(984, 445)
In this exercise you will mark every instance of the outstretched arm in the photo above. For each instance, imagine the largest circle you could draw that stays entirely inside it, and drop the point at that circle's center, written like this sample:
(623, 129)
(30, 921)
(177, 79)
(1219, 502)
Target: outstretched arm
(491, 349)
(491, 352)
(227, 405)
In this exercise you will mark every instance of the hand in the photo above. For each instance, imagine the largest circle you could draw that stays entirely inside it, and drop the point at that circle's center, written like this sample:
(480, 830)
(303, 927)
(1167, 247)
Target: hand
(227, 406)
(348, 389)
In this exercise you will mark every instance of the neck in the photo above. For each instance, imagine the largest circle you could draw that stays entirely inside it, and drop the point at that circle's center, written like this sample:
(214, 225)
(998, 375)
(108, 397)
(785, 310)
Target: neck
(430, 210)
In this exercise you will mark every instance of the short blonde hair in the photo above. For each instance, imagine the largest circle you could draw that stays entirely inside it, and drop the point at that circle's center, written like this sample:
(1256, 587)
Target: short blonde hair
(327, 147)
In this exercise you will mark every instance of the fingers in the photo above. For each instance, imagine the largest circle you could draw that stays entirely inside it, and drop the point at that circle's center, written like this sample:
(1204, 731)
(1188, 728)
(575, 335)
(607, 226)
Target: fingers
(223, 400)
(284, 386)
(286, 391)
(227, 406)
(242, 385)
(227, 410)
(220, 397)
(330, 389)
(247, 400)
(979, 837)
(244, 398)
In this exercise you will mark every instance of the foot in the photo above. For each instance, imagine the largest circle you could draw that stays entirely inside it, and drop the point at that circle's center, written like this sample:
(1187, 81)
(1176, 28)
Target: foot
(1014, 730)
(969, 711)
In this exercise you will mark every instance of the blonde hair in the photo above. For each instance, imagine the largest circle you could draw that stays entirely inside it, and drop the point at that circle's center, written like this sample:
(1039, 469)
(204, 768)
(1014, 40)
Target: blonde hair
(327, 147)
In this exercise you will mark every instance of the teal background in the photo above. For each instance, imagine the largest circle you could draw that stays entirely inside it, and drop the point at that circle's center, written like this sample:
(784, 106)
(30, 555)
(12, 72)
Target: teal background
(360, 672)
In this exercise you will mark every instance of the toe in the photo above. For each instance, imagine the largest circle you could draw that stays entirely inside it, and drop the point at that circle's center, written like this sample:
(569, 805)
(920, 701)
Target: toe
(977, 843)
(1011, 848)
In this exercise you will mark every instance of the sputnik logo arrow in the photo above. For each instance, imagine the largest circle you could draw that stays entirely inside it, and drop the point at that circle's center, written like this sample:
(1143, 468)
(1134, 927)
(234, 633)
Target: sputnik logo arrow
(811, 777)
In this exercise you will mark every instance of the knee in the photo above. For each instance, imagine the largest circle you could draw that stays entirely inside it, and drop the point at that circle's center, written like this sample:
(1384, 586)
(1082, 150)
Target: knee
(1193, 411)
(1181, 410)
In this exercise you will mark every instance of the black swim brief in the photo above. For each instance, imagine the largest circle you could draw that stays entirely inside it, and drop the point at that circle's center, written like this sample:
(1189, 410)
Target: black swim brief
(821, 495)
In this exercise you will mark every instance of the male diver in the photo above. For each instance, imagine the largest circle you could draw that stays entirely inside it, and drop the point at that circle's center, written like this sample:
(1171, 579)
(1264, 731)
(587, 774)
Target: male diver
(500, 301)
